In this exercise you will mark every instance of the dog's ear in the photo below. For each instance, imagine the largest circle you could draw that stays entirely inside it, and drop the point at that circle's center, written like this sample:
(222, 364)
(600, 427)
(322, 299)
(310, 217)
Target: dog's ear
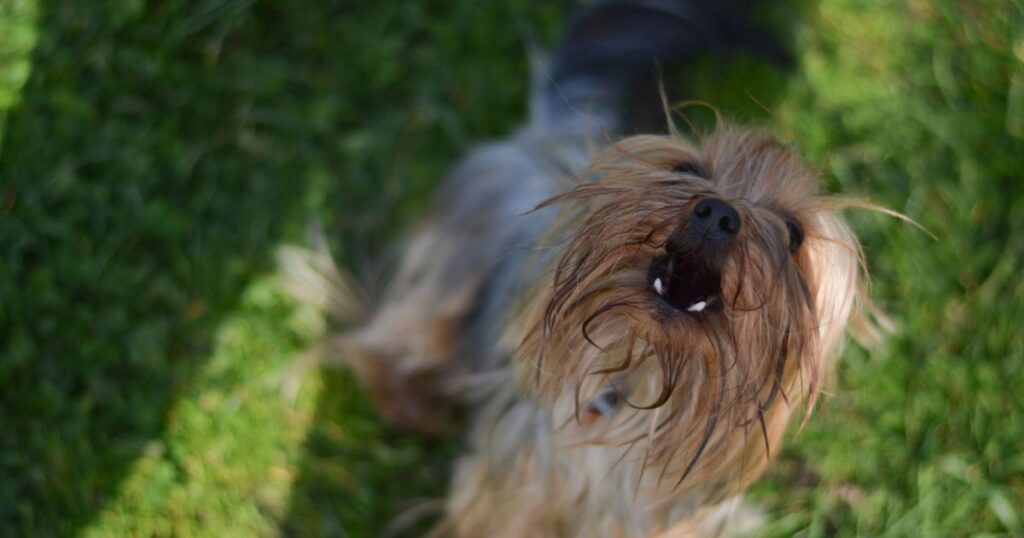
(849, 281)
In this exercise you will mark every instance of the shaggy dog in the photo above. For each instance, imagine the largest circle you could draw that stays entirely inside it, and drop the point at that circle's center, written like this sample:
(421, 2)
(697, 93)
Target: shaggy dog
(628, 326)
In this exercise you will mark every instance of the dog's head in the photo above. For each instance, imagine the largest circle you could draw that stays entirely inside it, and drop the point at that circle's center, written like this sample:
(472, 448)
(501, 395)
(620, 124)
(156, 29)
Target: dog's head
(699, 299)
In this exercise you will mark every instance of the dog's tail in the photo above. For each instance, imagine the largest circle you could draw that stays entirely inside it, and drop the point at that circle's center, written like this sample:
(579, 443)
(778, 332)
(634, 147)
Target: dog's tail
(313, 278)
(607, 66)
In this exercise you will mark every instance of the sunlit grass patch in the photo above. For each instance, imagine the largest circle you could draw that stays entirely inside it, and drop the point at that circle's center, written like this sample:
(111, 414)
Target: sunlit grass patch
(231, 447)
(18, 37)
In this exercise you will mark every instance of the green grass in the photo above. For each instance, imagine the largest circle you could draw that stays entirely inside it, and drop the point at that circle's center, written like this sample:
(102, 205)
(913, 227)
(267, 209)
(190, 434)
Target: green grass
(155, 154)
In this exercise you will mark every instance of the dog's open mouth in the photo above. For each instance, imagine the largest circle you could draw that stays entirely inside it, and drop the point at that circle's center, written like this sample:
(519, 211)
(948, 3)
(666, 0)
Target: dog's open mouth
(686, 283)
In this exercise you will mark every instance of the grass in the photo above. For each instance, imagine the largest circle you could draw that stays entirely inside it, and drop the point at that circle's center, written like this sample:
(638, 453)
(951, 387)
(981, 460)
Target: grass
(154, 154)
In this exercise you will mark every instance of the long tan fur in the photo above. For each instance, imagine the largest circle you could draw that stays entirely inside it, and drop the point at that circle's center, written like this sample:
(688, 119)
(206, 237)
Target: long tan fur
(704, 403)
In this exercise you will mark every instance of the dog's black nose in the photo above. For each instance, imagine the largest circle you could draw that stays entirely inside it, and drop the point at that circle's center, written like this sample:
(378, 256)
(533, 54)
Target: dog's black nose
(714, 220)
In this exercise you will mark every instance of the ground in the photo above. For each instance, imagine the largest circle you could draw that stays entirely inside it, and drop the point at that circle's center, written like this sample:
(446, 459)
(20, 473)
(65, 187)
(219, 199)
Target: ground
(153, 155)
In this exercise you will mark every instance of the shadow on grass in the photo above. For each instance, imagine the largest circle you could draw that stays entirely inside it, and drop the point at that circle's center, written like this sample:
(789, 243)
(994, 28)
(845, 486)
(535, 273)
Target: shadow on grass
(149, 169)
(358, 475)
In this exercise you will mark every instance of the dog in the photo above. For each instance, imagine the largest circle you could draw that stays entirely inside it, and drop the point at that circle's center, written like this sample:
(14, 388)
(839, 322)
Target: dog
(627, 323)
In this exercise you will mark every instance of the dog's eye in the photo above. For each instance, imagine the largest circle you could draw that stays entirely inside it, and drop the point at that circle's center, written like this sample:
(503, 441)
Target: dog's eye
(796, 234)
(691, 169)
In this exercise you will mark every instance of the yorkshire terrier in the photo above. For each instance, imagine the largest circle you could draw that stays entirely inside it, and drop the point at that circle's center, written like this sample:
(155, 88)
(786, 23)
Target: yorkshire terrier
(628, 327)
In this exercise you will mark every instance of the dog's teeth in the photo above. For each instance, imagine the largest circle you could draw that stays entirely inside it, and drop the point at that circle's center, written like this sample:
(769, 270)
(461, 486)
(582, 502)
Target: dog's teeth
(658, 287)
(697, 307)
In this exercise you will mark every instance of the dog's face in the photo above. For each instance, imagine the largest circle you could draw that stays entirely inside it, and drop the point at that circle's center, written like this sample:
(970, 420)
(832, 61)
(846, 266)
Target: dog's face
(699, 299)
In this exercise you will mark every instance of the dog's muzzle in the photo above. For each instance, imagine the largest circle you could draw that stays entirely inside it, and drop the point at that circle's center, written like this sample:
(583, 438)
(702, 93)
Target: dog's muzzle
(688, 277)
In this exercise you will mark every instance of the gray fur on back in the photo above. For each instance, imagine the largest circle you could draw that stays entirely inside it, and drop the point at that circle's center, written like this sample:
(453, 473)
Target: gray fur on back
(491, 197)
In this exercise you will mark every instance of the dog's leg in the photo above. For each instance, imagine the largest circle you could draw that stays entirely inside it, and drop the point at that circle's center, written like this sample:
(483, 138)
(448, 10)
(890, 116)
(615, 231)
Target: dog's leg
(404, 354)
(399, 349)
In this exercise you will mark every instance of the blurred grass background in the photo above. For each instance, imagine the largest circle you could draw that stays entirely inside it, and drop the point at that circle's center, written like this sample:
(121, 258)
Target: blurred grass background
(154, 154)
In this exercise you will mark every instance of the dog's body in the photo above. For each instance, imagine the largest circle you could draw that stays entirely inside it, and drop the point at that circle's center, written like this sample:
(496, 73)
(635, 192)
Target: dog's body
(630, 328)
